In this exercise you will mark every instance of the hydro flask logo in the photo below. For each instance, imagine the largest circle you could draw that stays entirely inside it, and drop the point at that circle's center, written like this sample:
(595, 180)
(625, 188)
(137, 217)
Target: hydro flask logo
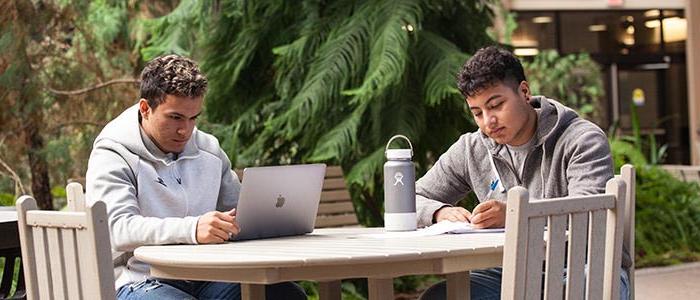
(398, 178)
(280, 201)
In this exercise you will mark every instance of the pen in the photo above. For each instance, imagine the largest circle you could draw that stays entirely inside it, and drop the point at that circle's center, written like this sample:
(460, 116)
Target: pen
(492, 188)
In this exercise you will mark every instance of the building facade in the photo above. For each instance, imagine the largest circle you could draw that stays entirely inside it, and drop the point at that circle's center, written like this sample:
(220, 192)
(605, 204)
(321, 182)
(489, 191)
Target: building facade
(645, 49)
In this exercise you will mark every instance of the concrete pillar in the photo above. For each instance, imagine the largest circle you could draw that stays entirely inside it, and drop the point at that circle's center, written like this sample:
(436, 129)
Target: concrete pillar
(692, 15)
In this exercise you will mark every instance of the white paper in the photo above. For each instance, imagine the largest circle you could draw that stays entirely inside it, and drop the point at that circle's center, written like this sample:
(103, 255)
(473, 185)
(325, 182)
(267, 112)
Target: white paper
(441, 227)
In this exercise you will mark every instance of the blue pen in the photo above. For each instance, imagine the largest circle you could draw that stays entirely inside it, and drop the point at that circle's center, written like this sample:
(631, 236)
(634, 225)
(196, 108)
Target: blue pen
(492, 188)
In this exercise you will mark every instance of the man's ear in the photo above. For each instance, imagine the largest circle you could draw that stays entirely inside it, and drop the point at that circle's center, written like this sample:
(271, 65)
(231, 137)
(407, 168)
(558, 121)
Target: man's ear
(144, 108)
(525, 89)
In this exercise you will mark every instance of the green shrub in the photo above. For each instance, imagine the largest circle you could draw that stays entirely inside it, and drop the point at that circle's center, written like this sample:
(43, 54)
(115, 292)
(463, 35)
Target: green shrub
(7, 199)
(573, 79)
(667, 211)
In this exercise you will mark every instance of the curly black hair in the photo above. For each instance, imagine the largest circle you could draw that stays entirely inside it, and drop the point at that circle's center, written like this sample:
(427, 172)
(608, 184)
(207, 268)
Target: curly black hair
(488, 67)
(171, 75)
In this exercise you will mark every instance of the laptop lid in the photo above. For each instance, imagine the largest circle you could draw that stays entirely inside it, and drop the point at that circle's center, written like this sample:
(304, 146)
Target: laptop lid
(279, 200)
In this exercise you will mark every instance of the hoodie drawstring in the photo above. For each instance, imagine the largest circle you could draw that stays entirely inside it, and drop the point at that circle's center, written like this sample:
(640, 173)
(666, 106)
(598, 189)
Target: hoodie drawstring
(542, 165)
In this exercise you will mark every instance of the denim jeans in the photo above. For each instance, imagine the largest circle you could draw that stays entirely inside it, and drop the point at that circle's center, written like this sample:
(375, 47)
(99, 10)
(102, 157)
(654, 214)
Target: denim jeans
(159, 289)
(486, 285)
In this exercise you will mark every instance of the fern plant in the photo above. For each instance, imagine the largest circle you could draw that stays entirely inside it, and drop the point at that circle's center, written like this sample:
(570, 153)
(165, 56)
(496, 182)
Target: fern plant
(330, 81)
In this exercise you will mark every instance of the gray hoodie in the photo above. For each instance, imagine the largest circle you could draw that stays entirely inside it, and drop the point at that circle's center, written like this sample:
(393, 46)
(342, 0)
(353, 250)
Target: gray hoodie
(570, 156)
(151, 198)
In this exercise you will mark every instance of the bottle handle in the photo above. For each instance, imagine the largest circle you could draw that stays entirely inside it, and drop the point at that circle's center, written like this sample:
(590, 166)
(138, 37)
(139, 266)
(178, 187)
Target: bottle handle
(398, 136)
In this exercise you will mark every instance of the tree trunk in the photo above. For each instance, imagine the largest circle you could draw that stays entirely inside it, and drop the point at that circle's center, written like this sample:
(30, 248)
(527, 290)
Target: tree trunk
(41, 187)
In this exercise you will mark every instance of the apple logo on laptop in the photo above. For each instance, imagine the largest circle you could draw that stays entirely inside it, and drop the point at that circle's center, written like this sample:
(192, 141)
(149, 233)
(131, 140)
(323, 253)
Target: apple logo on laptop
(280, 201)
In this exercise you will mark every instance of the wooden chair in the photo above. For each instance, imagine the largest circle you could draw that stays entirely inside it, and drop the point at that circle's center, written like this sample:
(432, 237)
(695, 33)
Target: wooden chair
(597, 243)
(66, 254)
(628, 174)
(336, 208)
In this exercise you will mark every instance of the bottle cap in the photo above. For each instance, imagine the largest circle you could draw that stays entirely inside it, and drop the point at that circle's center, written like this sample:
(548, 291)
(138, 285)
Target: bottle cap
(398, 153)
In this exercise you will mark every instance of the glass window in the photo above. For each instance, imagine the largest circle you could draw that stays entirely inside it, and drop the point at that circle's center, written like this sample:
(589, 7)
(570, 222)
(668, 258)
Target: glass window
(535, 31)
(610, 33)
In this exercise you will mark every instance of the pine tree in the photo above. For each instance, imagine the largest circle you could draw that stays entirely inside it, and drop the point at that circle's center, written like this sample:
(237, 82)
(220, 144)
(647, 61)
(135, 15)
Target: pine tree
(330, 81)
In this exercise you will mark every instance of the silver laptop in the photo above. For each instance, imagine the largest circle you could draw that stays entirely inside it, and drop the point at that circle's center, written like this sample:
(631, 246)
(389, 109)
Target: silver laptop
(279, 201)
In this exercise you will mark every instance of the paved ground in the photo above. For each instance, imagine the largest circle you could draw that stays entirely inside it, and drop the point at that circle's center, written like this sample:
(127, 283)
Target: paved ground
(668, 283)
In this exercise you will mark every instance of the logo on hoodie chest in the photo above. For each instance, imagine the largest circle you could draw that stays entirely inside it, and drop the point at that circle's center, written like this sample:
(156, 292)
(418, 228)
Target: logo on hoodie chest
(160, 180)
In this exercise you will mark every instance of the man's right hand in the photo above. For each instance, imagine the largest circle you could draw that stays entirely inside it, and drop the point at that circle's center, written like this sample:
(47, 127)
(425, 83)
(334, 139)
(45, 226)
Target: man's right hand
(216, 227)
(455, 214)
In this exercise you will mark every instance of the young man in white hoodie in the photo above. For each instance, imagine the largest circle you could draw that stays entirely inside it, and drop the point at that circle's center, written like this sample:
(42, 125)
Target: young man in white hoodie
(166, 182)
(522, 140)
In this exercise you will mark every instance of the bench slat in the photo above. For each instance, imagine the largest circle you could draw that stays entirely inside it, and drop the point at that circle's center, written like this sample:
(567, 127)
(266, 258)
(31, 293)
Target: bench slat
(334, 172)
(333, 184)
(336, 220)
(334, 196)
(335, 208)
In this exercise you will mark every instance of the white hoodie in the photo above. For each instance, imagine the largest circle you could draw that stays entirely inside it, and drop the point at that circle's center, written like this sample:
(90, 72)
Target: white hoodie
(151, 198)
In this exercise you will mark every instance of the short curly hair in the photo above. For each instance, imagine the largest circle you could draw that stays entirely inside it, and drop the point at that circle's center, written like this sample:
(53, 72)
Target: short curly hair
(488, 67)
(171, 75)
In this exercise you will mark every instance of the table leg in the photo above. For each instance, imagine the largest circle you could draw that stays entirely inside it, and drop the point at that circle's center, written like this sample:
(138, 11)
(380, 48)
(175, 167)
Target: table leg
(329, 290)
(252, 291)
(458, 286)
(380, 288)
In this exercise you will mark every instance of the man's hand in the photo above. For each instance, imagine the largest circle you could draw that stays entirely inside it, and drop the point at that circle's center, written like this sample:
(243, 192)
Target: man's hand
(216, 227)
(489, 214)
(454, 214)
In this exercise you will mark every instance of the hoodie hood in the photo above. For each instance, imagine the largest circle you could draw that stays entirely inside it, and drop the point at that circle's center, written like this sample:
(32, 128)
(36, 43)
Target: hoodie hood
(552, 119)
(126, 131)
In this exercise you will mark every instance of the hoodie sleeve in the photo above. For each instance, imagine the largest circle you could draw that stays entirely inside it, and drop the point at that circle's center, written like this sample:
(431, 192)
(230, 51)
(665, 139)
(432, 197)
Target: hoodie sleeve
(110, 179)
(230, 185)
(590, 165)
(444, 184)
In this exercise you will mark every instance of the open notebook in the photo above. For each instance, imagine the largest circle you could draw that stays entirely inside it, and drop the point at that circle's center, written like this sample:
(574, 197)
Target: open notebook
(441, 227)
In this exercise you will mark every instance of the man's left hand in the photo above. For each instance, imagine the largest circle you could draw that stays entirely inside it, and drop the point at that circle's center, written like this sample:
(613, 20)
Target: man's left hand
(489, 214)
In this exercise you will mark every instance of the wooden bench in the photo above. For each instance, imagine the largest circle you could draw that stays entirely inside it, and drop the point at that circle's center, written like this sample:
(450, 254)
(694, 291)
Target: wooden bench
(335, 209)
(684, 172)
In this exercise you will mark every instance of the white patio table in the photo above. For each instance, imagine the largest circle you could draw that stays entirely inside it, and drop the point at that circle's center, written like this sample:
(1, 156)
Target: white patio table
(328, 255)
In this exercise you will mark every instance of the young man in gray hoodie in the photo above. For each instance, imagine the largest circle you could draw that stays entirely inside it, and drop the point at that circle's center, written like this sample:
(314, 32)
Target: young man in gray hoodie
(522, 140)
(166, 182)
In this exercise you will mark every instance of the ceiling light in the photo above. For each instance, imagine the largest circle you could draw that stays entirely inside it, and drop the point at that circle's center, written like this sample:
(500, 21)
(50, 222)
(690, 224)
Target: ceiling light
(598, 27)
(652, 13)
(525, 43)
(652, 24)
(542, 20)
(526, 51)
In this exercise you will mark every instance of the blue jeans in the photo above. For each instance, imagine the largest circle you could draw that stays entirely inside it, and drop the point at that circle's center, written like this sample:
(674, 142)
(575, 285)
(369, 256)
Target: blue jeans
(159, 289)
(486, 285)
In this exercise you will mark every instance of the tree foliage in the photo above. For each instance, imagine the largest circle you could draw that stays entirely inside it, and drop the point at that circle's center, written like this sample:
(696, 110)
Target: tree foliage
(330, 81)
(51, 51)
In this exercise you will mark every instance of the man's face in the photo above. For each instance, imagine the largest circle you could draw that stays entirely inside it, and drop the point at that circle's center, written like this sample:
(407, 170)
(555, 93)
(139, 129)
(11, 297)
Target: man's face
(504, 114)
(171, 123)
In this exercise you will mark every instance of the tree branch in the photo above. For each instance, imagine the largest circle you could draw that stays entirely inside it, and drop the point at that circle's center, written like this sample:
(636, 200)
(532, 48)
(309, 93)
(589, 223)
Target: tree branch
(92, 88)
(76, 123)
(18, 182)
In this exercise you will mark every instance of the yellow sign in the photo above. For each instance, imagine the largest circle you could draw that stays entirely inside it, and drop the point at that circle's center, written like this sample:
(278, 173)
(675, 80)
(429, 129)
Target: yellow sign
(638, 97)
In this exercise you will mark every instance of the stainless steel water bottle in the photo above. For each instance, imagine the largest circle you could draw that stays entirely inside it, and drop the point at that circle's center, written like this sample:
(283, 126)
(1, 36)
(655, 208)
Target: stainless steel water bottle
(399, 188)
